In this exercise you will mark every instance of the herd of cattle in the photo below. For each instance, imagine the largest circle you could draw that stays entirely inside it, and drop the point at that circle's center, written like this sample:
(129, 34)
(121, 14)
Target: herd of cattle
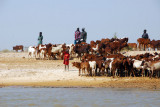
(103, 57)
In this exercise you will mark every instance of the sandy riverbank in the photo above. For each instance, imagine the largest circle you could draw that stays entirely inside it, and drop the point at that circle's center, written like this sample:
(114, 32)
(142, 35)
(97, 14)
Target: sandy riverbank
(16, 69)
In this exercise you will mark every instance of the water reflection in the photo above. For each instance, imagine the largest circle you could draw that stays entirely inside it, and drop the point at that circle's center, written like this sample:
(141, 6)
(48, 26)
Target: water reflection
(78, 97)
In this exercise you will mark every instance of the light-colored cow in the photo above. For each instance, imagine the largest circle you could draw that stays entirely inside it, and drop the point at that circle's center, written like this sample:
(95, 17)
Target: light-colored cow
(92, 67)
(31, 52)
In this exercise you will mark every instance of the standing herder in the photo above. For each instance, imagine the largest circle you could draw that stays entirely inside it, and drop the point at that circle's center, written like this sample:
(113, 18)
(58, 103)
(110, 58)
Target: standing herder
(84, 35)
(66, 59)
(145, 35)
(40, 38)
(77, 36)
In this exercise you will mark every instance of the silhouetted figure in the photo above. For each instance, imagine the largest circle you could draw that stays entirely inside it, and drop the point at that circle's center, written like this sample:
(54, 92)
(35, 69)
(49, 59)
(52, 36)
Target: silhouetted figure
(84, 35)
(40, 38)
(145, 35)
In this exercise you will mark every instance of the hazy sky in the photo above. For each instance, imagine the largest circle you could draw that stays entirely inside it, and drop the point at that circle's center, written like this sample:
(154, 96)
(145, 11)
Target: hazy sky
(22, 20)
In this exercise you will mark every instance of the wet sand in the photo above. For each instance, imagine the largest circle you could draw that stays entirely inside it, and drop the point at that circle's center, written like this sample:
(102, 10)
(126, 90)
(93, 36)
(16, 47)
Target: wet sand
(17, 70)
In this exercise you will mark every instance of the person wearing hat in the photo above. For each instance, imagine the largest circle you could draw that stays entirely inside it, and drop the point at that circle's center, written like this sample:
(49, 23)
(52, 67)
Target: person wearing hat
(145, 35)
(77, 36)
(83, 35)
(66, 59)
(40, 38)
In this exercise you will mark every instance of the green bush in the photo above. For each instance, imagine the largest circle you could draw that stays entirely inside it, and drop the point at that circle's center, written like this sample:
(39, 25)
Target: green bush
(5, 50)
(127, 49)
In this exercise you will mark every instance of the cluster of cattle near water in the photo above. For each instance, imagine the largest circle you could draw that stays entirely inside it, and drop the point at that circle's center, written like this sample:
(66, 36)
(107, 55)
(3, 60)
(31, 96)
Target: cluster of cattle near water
(103, 57)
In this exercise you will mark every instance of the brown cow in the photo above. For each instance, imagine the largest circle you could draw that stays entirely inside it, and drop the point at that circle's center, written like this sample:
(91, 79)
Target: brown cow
(143, 43)
(18, 47)
(85, 68)
(155, 44)
(77, 65)
(117, 67)
(133, 46)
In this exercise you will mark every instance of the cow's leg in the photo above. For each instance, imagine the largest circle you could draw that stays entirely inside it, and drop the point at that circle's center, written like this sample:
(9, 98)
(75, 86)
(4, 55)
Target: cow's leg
(113, 73)
(83, 71)
(94, 72)
(79, 72)
(152, 73)
(125, 72)
(133, 72)
(88, 71)
(144, 47)
(106, 72)
(99, 71)
(138, 47)
(142, 73)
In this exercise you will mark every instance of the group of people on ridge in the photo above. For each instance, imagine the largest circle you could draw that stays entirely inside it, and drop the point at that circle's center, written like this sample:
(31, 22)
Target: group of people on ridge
(80, 36)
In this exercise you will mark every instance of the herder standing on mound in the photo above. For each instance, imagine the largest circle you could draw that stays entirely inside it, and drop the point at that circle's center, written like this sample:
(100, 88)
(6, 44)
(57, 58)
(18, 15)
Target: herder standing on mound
(40, 39)
(77, 36)
(84, 35)
(145, 35)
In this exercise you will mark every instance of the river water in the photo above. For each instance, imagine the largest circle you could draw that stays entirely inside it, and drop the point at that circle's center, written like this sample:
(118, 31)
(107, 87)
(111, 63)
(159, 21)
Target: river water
(78, 97)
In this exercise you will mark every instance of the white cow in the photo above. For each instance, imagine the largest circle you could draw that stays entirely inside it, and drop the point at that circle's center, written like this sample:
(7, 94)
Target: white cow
(110, 64)
(57, 49)
(139, 66)
(92, 67)
(32, 51)
(42, 53)
(39, 53)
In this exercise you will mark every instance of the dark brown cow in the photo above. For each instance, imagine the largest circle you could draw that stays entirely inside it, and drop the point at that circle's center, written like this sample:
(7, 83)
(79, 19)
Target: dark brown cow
(128, 66)
(155, 44)
(18, 47)
(117, 67)
(81, 49)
